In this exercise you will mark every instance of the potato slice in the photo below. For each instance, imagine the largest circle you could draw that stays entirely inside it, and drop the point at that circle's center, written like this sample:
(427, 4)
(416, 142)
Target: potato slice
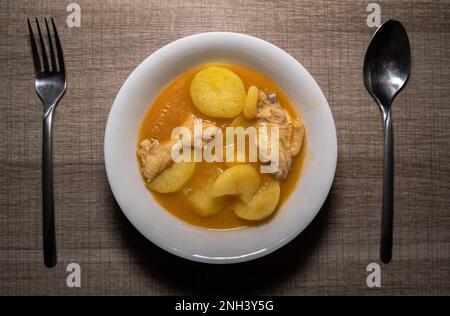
(240, 180)
(230, 160)
(200, 196)
(251, 100)
(173, 178)
(240, 121)
(218, 92)
(263, 203)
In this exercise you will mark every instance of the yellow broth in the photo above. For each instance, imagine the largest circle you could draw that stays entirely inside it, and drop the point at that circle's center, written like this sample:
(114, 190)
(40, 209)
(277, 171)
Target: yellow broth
(171, 108)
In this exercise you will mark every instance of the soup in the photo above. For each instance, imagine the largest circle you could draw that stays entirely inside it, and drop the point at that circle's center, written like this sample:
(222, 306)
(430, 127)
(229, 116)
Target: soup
(171, 109)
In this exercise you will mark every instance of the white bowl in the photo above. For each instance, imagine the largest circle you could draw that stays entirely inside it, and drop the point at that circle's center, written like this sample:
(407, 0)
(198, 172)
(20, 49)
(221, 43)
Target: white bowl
(169, 232)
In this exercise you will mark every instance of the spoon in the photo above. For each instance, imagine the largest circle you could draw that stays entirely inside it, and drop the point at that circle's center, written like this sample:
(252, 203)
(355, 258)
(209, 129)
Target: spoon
(387, 66)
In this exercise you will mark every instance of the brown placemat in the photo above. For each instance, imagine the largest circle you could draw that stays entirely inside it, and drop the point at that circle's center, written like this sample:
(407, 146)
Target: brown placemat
(330, 257)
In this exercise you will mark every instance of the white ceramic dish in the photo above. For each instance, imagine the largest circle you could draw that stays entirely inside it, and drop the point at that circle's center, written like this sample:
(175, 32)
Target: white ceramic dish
(167, 231)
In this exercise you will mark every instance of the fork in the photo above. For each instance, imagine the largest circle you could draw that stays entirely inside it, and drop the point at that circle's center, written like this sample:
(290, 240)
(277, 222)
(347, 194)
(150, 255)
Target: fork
(50, 87)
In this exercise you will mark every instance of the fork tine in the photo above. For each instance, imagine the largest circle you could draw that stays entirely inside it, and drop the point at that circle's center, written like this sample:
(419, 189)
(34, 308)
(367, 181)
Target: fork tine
(58, 48)
(36, 60)
(43, 50)
(50, 44)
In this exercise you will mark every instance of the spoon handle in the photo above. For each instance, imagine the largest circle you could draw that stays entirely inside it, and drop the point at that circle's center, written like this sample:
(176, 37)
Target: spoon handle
(388, 190)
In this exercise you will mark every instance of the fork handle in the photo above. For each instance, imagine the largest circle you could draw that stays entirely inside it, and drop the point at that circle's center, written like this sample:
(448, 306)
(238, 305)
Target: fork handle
(388, 190)
(47, 191)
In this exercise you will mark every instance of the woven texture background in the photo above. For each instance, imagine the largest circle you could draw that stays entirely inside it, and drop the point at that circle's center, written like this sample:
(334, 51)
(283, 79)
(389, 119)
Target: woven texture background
(330, 257)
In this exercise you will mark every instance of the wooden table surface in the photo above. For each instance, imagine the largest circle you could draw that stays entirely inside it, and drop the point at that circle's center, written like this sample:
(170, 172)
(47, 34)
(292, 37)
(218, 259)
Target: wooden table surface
(330, 257)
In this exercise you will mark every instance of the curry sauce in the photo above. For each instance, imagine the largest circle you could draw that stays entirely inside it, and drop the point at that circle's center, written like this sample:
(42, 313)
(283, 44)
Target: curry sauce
(171, 108)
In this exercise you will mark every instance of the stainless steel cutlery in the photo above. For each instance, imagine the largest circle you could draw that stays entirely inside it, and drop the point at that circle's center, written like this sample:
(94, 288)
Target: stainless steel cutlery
(50, 87)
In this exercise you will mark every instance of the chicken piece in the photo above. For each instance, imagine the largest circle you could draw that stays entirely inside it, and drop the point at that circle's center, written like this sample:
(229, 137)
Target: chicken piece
(156, 156)
(291, 132)
(285, 156)
(270, 110)
(189, 123)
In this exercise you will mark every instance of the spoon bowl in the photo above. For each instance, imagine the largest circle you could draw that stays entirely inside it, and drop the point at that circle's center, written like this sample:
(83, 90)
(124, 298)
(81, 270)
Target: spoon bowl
(387, 64)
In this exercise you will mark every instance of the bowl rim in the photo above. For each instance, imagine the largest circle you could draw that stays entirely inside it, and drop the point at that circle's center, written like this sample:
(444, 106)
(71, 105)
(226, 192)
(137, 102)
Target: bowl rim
(155, 239)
